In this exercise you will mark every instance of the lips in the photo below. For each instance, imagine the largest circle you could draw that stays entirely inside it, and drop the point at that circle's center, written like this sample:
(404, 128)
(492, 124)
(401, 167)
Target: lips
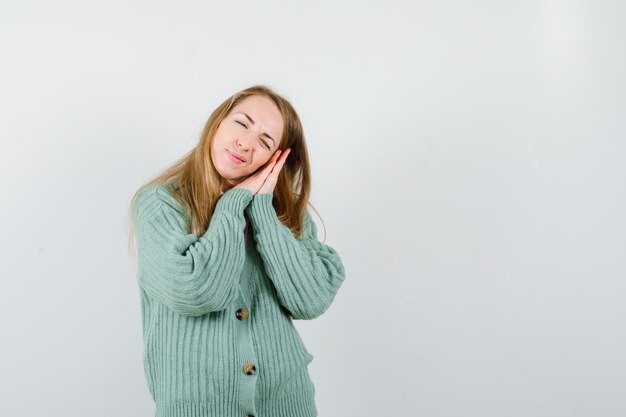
(236, 155)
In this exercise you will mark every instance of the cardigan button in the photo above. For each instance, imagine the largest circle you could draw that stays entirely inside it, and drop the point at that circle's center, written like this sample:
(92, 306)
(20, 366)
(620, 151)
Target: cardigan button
(242, 314)
(249, 369)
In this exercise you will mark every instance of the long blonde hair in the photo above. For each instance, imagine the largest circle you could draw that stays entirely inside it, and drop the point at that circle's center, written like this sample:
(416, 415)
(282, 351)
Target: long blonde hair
(196, 184)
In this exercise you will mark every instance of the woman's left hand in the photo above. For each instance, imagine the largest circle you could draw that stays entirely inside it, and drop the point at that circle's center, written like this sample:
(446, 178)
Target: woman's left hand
(270, 181)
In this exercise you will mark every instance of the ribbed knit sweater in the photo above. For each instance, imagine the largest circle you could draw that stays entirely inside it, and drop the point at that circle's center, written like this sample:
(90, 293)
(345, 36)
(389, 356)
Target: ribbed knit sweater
(217, 310)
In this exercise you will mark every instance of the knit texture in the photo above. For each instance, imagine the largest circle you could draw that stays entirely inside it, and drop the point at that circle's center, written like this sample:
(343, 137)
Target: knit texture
(194, 289)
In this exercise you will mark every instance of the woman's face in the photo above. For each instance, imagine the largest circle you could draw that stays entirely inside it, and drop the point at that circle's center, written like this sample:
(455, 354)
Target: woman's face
(251, 132)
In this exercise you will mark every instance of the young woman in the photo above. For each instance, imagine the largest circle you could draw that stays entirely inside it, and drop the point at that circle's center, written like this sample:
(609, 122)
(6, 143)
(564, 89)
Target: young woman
(227, 256)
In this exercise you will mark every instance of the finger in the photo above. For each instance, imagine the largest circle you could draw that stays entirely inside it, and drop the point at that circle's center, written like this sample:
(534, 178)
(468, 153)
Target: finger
(276, 168)
(283, 157)
(274, 159)
(277, 156)
(269, 166)
(267, 169)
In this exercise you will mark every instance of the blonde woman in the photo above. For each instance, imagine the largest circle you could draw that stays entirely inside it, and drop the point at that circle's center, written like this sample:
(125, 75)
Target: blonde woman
(227, 257)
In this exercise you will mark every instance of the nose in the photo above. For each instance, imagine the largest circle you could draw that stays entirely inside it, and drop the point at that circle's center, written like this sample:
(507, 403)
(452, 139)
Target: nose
(244, 140)
(242, 143)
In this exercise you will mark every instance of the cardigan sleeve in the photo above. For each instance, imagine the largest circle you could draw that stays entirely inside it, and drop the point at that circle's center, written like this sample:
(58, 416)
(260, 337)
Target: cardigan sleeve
(190, 275)
(306, 273)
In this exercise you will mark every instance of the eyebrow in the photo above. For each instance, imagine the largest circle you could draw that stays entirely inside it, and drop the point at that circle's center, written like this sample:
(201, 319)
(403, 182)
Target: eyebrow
(252, 121)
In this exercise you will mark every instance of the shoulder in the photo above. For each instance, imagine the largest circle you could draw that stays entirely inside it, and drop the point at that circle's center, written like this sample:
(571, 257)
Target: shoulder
(155, 198)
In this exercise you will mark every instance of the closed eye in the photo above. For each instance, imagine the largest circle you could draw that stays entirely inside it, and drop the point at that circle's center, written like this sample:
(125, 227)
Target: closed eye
(264, 143)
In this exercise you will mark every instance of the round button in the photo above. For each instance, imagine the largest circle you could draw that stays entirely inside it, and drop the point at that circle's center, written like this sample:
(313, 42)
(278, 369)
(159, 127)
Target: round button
(249, 369)
(242, 313)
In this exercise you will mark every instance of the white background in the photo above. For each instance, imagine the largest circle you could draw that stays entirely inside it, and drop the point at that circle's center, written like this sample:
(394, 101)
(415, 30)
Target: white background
(468, 160)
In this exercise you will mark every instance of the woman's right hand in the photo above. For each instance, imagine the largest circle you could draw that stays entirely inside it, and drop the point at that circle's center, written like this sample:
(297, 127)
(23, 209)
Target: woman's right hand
(255, 181)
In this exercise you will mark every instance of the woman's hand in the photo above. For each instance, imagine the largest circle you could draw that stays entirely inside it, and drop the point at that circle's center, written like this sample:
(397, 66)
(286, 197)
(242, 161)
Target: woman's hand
(270, 180)
(264, 181)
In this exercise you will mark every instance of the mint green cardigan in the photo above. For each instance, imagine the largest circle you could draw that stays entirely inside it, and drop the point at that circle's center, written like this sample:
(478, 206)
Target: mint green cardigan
(217, 310)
